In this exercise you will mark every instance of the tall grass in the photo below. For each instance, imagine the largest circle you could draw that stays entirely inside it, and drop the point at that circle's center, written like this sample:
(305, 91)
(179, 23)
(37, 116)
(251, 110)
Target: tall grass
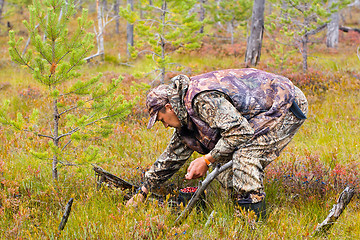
(31, 204)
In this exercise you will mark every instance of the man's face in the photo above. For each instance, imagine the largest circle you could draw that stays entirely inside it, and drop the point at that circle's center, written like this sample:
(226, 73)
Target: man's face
(168, 117)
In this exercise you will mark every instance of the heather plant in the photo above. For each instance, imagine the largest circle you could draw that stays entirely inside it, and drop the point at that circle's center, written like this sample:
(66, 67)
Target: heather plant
(310, 178)
(75, 111)
(164, 27)
(325, 148)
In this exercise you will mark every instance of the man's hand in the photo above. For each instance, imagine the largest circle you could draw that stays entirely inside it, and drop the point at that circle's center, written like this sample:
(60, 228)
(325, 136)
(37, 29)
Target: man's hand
(197, 169)
(137, 198)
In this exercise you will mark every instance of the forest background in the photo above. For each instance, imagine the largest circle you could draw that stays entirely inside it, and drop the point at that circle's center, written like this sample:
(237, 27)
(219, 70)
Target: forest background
(139, 50)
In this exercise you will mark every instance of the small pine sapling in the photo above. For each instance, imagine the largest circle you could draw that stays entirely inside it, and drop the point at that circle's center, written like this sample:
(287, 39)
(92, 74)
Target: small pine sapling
(233, 13)
(301, 19)
(77, 109)
(163, 28)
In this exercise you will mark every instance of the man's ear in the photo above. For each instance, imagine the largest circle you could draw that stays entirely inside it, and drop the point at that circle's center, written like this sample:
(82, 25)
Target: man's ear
(168, 106)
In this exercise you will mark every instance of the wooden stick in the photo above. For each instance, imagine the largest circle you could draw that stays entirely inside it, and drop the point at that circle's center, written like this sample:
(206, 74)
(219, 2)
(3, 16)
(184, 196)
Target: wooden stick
(66, 214)
(335, 212)
(348, 29)
(201, 188)
(211, 217)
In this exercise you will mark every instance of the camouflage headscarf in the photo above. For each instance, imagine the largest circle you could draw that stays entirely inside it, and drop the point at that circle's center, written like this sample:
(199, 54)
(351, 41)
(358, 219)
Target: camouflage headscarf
(177, 91)
(174, 94)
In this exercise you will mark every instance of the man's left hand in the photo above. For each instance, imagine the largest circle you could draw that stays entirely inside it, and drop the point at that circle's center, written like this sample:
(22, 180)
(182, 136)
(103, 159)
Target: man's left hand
(196, 169)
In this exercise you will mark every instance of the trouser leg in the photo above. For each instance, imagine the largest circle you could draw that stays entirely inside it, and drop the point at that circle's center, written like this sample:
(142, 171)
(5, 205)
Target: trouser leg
(249, 160)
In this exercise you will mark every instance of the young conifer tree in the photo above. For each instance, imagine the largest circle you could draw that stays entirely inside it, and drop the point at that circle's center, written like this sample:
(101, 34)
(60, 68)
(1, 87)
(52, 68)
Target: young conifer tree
(233, 13)
(76, 109)
(165, 26)
(302, 19)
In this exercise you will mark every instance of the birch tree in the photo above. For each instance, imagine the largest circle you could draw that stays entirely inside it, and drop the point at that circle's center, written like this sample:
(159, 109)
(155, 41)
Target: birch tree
(104, 17)
(76, 109)
(254, 43)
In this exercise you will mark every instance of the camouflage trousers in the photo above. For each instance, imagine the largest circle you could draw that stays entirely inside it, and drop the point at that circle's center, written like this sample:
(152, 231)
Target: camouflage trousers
(251, 158)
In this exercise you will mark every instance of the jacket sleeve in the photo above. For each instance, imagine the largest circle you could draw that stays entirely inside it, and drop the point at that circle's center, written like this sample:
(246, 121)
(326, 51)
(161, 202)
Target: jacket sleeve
(214, 108)
(169, 162)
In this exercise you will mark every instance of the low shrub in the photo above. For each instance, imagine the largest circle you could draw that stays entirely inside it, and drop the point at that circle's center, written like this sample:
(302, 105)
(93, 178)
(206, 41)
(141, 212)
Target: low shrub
(309, 177)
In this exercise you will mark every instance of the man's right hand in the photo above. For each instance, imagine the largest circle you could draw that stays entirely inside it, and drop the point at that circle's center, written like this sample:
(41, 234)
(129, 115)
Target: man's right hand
(137, 198)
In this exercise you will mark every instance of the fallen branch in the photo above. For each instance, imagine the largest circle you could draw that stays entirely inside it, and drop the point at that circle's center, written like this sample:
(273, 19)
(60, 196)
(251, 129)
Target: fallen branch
(335, 212)
(66, 214)
(201, 188)
(211, 218)
(103, 176)
(93, 56)
(348, 29)
(106, 177)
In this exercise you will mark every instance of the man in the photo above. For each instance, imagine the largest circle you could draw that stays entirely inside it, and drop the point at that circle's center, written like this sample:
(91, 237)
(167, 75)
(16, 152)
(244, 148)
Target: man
(246, 115)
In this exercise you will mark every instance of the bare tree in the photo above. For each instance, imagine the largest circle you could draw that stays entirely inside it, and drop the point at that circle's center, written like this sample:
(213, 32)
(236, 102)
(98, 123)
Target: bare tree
(254, 43)
(116, 12)
(2, 2)
(105, 5)
(332, 36)
(129, 30)
(100, 33)
(103, 19)
(202, 15)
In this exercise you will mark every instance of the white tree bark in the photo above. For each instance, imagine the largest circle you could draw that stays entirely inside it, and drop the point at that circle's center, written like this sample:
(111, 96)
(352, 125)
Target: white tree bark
(254, 43)
(100, 34)
(332, 36)
(103, 20)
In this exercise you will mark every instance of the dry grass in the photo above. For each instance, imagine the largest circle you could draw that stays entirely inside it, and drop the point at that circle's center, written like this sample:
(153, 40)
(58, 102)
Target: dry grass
(31, 204)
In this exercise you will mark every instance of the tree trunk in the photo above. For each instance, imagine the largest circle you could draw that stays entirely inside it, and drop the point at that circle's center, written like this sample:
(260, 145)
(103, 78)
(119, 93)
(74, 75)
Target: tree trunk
(100, 35)
(202, 15)
(117, 21)
(55, 140)
(1, 9)
(304, 51)
(253, 49)
(332, 36)
(104, 3)
(231, 29)
(129, 30)
(162, 43)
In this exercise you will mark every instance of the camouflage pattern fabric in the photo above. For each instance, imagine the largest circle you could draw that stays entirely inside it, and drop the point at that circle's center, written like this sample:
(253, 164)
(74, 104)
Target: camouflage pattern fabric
(252, 157)
(237, 140)
(262, 98)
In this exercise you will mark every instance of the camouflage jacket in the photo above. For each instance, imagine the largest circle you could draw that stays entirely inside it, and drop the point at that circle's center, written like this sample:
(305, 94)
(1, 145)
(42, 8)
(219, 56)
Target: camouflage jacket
(222, 109)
